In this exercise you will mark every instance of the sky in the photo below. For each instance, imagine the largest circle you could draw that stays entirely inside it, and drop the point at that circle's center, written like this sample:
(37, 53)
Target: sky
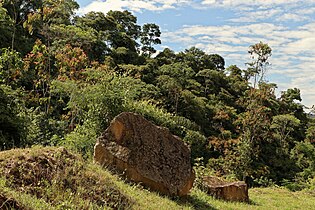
(229, 27)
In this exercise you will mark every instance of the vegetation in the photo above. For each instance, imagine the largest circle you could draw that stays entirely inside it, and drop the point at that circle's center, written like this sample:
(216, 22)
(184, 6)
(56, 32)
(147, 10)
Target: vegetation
(63, 78)
(54, 178)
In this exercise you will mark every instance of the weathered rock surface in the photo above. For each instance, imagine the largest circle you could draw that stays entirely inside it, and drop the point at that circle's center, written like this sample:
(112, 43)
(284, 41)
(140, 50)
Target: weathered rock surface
(234, 191)
(146, 153)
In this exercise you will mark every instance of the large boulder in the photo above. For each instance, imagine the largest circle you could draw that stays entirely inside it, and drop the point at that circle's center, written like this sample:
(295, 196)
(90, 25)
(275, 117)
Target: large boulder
(146, 153)
(229, 191)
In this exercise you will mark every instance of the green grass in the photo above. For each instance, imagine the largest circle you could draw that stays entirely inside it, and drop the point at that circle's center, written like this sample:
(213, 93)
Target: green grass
(53, 178)
(264, 198)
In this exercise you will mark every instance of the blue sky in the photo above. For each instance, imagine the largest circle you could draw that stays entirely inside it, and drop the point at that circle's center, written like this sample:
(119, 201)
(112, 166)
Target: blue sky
(229, 27)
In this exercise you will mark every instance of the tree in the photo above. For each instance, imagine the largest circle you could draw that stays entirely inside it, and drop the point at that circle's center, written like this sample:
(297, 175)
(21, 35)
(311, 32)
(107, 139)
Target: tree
(304, 155)
(6, 26)
(284, 125)
(289, 104)
(126, 22)
(12, 125)
(71, 63)
(310, 133)
(100, 28)
(11, 65)
(47, 13)
(212, 81)
(260, 54)
(17, 12)
(254, 125)
(167, 56)
(218, 61)
(254, 122)
(238, 86)
(86, 39)
(96, 20)
(149, 36)
(122, 39)
(172, 80)
(32, 19)
(290, 95)
(38, 74)
(126, 30)
(198, 60)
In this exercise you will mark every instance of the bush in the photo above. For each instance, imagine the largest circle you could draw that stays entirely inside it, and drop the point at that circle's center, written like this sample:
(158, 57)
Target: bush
(12, 123)
(201, 171)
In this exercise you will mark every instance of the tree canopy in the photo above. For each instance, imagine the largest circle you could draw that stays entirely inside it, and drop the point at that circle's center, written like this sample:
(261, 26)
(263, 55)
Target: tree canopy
(64, 77)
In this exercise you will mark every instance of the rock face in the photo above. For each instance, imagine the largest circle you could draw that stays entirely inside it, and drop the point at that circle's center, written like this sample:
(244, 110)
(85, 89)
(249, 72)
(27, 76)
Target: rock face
(234, 191)
(147, 154)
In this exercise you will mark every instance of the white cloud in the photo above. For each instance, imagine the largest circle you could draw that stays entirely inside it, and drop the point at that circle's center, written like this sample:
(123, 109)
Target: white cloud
(260, 3)
(291, 17)
(254, 16)
(306, 11)
(305, 45)
(249, 11)
(133, 5)
(99, 6)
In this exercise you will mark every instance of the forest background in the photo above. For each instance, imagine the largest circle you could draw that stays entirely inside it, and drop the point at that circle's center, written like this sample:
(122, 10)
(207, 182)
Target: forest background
(65, 77)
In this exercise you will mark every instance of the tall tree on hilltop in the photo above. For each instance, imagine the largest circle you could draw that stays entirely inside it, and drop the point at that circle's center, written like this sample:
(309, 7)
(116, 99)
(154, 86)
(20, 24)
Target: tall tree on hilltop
(260, 54)
(150, 35)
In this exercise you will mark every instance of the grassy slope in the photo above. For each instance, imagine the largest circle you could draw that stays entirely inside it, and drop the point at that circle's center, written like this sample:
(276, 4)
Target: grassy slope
(265, 198)
(61, 180)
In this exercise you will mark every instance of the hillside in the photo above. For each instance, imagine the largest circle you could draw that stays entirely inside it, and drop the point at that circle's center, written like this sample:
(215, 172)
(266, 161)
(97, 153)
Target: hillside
(64, 77)
(54, 178)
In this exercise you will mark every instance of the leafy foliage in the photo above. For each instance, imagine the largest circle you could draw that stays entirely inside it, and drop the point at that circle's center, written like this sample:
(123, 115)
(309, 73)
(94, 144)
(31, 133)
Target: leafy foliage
(11, 119)
(65, 77)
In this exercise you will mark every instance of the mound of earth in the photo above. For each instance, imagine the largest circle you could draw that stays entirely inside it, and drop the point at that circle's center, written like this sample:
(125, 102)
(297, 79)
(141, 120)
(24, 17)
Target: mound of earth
(51, 173)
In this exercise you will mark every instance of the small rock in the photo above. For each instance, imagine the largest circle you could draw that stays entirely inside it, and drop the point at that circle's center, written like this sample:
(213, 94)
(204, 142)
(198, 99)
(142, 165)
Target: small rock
(229, 191)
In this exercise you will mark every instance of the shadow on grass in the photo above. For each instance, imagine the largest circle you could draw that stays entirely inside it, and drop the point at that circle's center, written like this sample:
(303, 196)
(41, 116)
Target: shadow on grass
(195, 202)
(252, 203)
